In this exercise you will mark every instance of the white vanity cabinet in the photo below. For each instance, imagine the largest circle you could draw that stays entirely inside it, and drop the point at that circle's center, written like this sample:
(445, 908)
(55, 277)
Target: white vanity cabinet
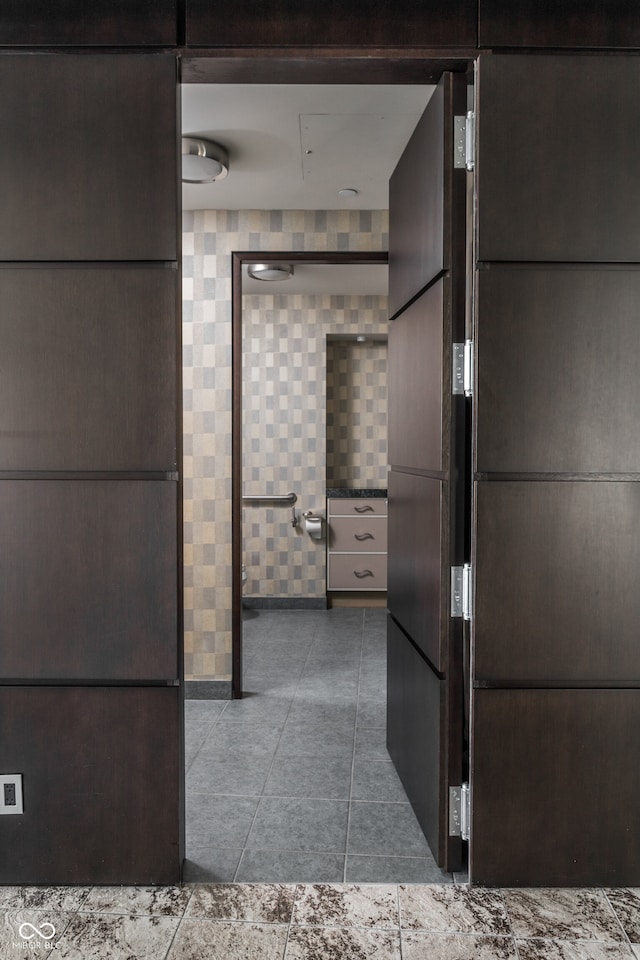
(357, 543)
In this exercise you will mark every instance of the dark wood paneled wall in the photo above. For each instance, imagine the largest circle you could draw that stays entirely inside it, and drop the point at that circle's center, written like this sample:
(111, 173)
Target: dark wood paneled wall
(571, 24)
(556, 797)
(557, 458)
(434, 23)
(89, 452)
(101, 802)
(535, 107)
(93, 174)
(100, 345)
(142, 23)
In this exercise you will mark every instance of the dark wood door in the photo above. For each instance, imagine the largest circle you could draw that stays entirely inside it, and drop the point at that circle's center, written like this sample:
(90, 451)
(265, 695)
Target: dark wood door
(426, 424)
(556, 671)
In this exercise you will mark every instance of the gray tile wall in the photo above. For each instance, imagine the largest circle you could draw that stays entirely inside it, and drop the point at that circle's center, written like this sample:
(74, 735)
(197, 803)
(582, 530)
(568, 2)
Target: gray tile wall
(209, 237)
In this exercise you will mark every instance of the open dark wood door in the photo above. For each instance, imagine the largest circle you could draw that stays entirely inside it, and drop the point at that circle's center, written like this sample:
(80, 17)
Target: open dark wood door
(426, 452)
(556, 662)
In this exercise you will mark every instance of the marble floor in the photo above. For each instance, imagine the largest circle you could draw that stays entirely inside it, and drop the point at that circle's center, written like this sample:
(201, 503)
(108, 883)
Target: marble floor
(293, 783)
(318, 921)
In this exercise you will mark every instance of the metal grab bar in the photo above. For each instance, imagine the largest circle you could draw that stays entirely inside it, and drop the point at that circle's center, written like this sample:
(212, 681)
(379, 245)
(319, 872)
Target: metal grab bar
(287, 498)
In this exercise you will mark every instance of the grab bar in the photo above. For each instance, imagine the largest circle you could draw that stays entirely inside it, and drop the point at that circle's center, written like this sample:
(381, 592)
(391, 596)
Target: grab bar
(287, 498)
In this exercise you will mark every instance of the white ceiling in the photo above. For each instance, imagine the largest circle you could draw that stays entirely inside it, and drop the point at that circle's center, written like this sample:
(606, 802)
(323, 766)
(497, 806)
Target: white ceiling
(325, 279)
(292, 147)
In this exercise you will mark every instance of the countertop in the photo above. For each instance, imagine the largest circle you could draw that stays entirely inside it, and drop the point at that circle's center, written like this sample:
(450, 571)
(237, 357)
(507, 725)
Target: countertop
(348, 492)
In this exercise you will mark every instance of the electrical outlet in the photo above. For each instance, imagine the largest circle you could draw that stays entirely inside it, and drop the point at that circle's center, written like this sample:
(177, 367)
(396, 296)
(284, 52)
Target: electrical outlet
(11, 793)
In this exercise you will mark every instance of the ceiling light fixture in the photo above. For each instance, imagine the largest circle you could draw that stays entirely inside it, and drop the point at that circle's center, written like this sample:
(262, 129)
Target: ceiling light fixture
(270, 271)
(347, 192)
(203, 161)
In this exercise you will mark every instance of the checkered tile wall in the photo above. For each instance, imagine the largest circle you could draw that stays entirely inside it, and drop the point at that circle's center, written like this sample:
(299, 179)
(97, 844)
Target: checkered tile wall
(209, 238)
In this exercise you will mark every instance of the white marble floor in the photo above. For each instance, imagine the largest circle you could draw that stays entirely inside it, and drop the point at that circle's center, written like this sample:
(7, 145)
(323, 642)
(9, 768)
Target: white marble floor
(317, 921)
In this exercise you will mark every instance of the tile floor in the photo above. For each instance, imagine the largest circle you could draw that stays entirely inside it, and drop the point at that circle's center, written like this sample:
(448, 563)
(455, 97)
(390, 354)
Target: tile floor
(318, 921)
(293, 783)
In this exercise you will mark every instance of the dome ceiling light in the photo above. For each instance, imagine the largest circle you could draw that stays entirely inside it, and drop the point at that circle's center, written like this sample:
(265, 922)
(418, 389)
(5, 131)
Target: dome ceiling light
(270, 271)
(203, 161)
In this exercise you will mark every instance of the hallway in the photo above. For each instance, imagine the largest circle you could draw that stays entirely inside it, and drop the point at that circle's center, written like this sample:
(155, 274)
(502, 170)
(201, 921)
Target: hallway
(294, 783)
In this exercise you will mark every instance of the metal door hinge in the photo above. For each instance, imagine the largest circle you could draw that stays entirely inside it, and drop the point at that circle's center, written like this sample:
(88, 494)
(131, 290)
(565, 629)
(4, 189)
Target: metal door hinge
(462, 373)
(464, 141)
(460, 811)
(462, 591)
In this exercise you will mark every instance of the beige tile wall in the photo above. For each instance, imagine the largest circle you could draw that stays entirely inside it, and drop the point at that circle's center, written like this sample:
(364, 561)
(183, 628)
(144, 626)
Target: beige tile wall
(209, 238)
(285, 434)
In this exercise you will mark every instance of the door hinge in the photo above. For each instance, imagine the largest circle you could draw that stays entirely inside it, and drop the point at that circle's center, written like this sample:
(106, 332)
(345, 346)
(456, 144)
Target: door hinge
(460, 811)
(464, 141)
(462, 371)
(462, 591)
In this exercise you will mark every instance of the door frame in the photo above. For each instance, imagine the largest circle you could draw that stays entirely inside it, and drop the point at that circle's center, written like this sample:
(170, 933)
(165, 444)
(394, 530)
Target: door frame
(238, 259)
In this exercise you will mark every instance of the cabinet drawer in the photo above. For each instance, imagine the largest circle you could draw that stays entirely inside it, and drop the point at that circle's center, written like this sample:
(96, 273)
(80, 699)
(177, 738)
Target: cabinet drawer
(357, 571)
(357, 507)
(355, 534)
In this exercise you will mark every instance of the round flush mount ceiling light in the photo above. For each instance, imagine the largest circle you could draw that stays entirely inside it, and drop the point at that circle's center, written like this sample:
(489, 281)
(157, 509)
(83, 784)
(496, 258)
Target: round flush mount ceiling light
(347, 192)
(203, 161)
(270, 271)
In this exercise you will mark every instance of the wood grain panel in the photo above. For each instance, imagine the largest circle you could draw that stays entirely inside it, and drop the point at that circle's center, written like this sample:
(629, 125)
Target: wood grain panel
(555, 788)
(88, 585)
(567, 398)
(102, 776)
(414, 698)
(573, 23)
(88, 157)
(551, 132)
(556, 569)
(415, 363)
(434, 23)
(414, 587)
(88, 369)
(417, 251)
(145, 23)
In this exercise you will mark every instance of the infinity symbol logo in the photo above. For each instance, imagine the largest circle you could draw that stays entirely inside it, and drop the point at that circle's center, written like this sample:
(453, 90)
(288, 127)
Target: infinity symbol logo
(39, 932)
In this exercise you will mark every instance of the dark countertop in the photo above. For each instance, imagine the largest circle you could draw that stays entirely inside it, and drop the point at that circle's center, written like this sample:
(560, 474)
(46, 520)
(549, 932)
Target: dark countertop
(348, 492)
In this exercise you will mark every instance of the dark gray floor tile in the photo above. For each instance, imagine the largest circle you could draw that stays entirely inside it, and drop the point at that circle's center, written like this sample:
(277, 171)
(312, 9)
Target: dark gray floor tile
(395, 870)
(206, 864)
(371, 712)
(240, 777)
(371, 743)
(203, 711)
(294, 824)
(274, 670)
(326, 689)
(322, 739)
(273, 866)
(376, 780)
(304, 713)
(385, 830)
(277, 687)
(258, 708)
(374, 646)
(329, 779)
(233, 739)
(222, 822)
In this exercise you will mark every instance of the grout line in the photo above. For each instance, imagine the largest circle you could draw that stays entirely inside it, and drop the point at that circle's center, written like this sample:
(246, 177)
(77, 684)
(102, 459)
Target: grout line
(353, 753)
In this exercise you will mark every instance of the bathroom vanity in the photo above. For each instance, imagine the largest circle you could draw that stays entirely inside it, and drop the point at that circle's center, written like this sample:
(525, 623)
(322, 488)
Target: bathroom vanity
(356, 540)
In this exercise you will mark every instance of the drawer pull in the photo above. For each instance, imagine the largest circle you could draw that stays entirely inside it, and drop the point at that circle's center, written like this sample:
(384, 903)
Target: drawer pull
(364, 536)
(362, 573)
(367, 508)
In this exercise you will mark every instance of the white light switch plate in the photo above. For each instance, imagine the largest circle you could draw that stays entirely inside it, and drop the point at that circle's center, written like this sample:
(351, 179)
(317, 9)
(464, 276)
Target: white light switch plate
(11, 800)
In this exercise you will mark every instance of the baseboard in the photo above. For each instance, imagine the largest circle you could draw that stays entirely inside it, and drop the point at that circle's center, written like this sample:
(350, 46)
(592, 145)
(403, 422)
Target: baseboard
(207, 689)
(358, 599)
(284, 603)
